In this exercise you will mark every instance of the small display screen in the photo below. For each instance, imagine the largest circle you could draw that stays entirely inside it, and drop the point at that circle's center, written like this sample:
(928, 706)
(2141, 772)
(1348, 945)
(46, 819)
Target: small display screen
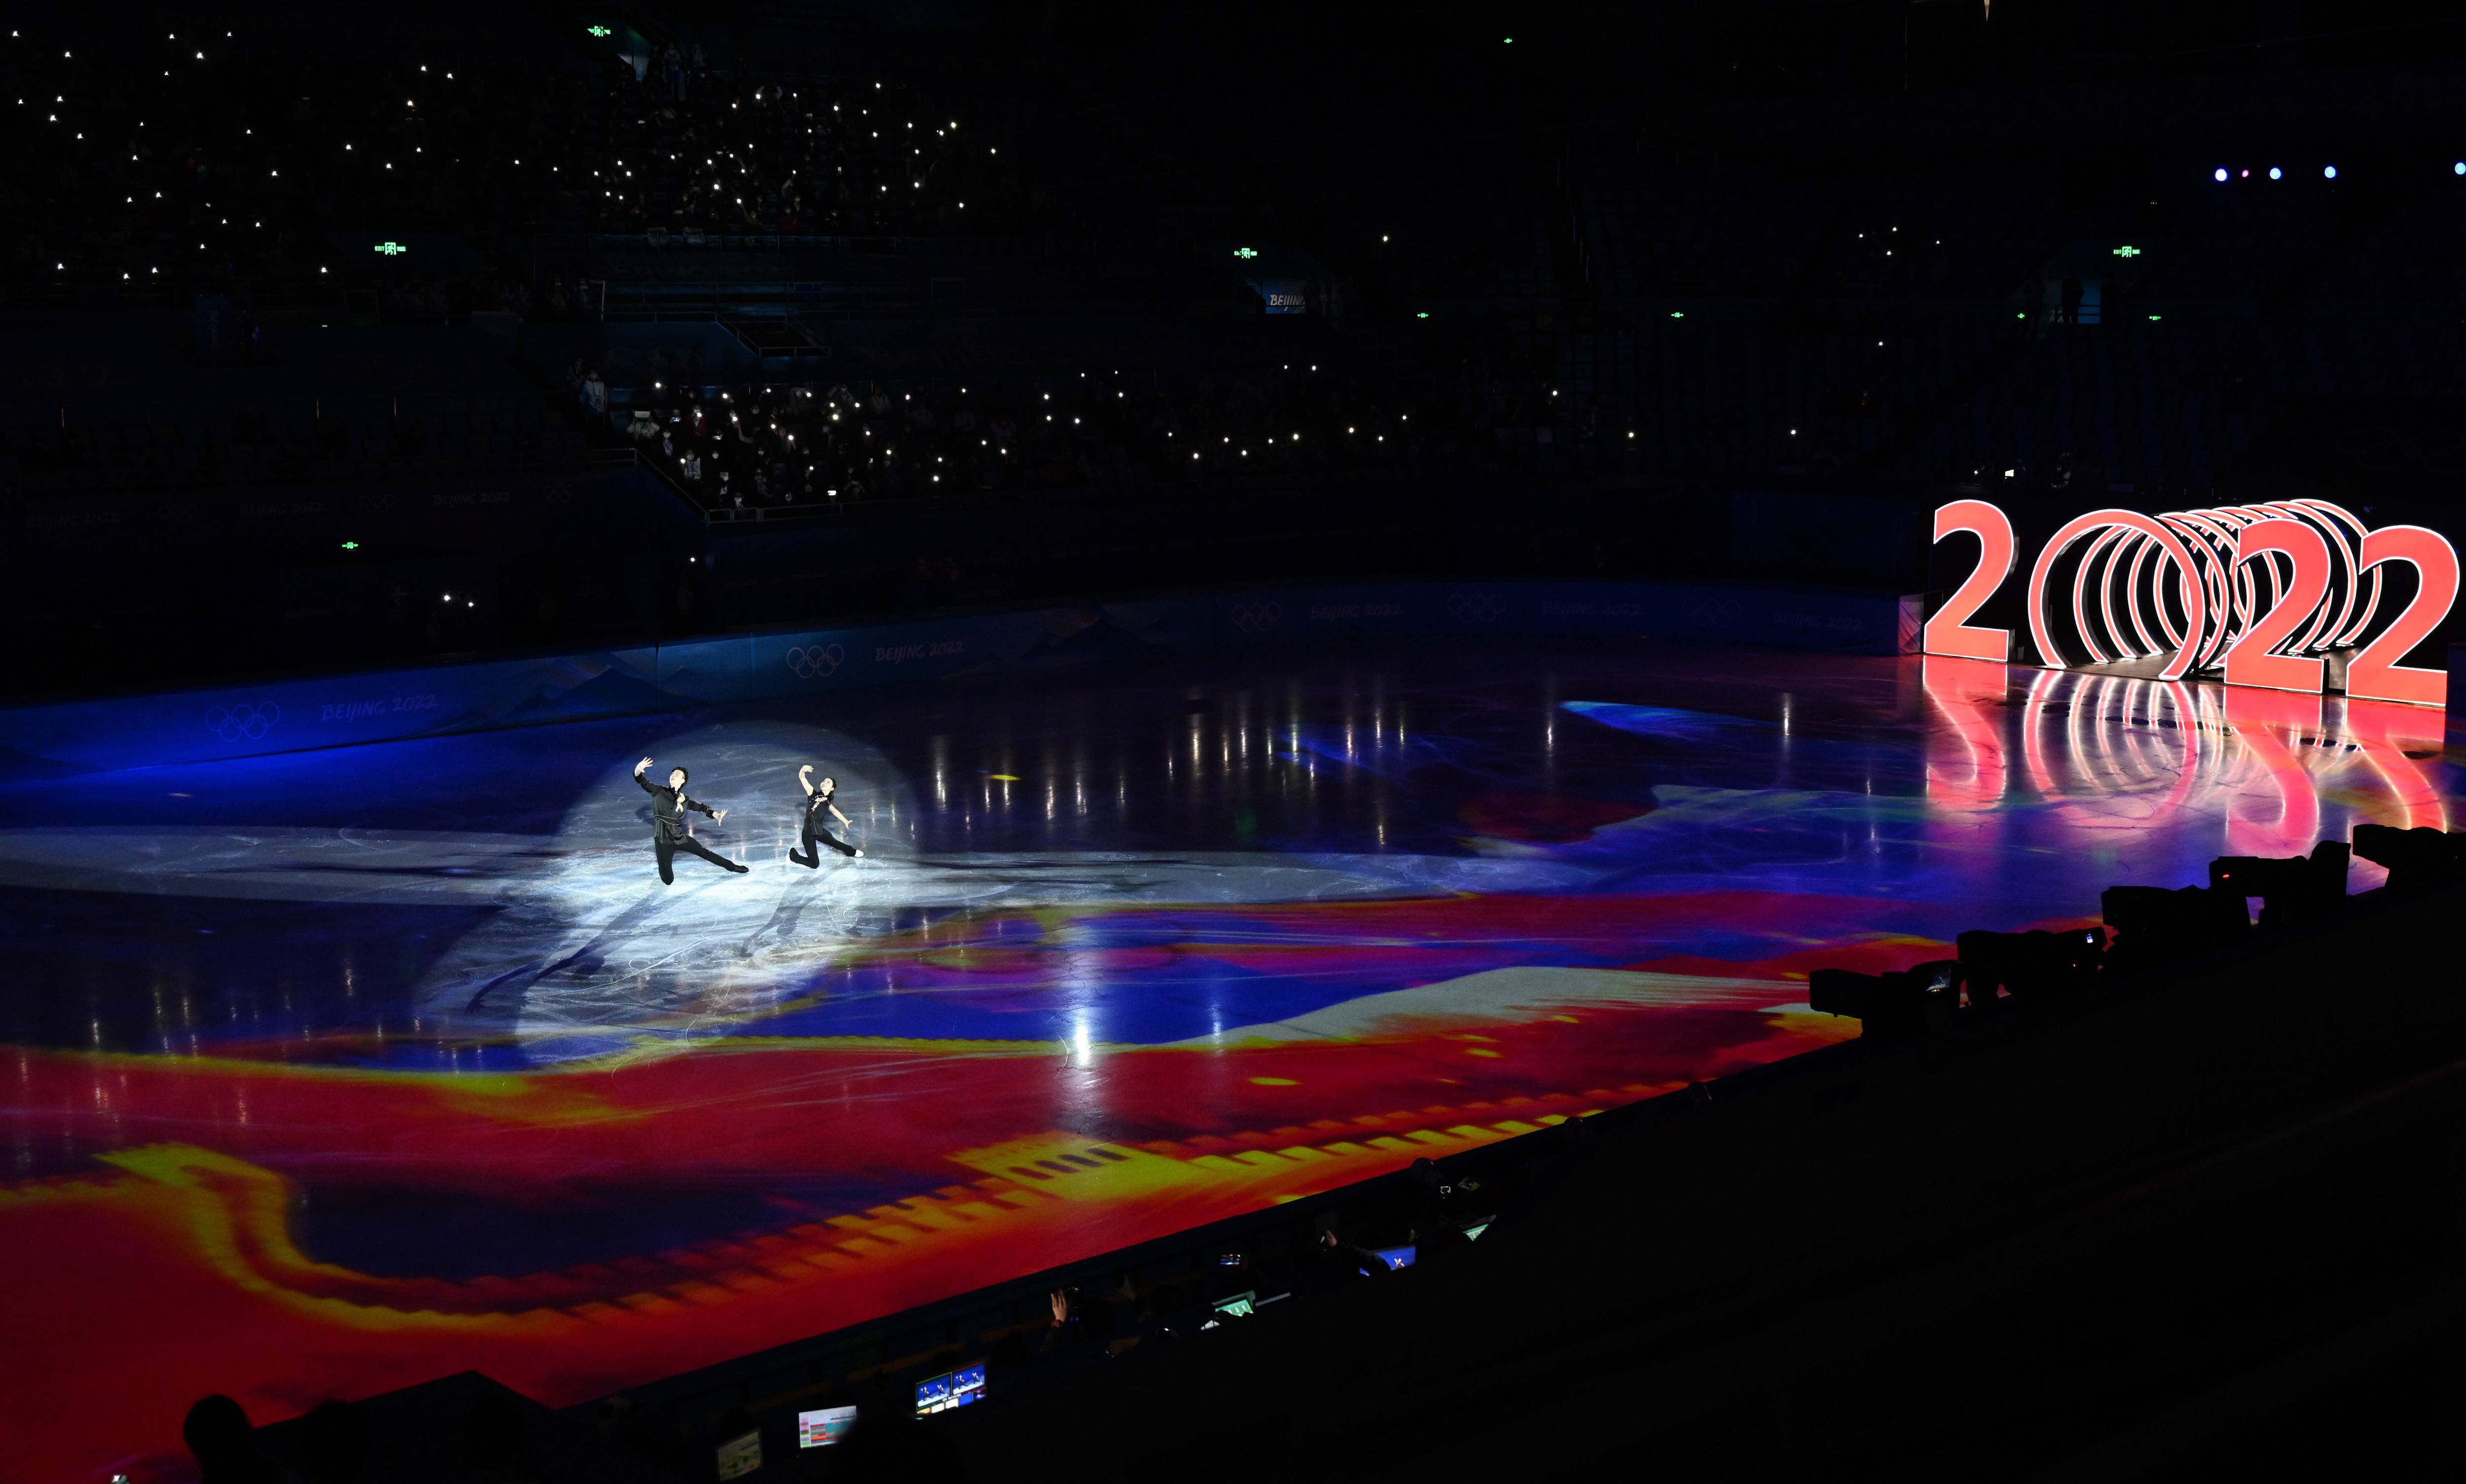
(825, 1427)
(740, 1456)
(1239, 1305)
(1395, 1258)
(952, 1388)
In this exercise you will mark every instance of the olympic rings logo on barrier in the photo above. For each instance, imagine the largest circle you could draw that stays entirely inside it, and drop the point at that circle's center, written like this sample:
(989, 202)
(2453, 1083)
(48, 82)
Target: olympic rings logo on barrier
(2260, 595)
(1257, 617)
(817, 661)
(234, 723)
(1476, 607)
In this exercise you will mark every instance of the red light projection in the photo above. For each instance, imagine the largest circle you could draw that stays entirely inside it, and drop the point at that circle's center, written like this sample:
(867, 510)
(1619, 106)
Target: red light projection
(1969, 693)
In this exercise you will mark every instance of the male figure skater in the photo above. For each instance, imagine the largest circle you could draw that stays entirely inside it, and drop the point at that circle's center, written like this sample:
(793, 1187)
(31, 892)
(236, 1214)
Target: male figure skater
(668, 806)
(818, 800)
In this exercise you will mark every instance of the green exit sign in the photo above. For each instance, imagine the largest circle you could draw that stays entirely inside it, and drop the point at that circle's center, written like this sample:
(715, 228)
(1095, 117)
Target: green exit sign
(1245, 252)
(393, 249)
(2127, 250)
(600, 30)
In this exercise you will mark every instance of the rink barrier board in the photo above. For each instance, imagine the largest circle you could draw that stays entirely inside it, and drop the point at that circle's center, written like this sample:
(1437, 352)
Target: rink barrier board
(283, 717)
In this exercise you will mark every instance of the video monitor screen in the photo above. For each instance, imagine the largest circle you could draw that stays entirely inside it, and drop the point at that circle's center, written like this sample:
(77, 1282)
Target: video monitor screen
(1239, 1306)
(1396, 1258)
(740, 1456)
(823, 1427)
(952, 1388)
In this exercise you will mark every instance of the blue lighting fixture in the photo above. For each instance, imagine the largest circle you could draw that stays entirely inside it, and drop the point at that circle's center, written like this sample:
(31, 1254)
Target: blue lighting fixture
(2328, 172)
(2458, 168)
(2275, 172)
(2220, 173)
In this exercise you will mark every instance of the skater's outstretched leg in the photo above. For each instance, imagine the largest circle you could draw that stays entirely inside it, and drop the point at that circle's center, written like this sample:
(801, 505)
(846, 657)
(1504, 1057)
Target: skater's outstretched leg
(696, 848)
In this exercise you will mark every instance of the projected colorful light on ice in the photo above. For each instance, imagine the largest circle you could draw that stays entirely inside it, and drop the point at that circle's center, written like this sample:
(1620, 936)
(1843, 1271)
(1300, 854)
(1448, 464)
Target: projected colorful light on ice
(339, 1070)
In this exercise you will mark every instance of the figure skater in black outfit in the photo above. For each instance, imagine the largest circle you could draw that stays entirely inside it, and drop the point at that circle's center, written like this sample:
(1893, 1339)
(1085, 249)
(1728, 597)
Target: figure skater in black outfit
(818, 800)
(668, 806)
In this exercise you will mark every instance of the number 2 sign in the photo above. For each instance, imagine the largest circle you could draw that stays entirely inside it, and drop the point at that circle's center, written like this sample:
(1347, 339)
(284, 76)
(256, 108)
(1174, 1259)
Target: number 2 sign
(2259, 594)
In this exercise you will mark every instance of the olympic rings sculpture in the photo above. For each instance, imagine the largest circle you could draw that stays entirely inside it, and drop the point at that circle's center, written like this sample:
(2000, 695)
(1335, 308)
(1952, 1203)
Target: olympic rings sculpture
(2261, 593)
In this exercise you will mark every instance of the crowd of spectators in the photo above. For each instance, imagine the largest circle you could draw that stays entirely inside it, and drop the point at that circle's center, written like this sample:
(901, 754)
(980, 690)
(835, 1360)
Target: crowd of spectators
(169, 448)
(756, 448)
(1688, 319)
(681, 150)
(190, 158)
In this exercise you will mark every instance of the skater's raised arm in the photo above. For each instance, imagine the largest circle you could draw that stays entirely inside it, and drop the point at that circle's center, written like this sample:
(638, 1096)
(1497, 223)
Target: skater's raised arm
(805, 777)
(648, 787)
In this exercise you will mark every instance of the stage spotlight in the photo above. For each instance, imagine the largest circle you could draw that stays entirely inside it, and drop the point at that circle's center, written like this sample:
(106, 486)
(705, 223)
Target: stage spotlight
(2328, 172)
(2221, 175)
(2458, 168)
(2028, 965)
(2275, 172)
(2293, 888)
(2155, 925)
(1900, 1005)
(2417, 858)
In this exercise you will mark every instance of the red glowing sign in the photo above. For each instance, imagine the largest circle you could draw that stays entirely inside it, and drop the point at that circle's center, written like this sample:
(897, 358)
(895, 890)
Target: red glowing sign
(1950, 632)
(2263, 595)
(2255, 660)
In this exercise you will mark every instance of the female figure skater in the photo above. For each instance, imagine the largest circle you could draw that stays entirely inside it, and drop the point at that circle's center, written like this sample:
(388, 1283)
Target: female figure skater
(668, 806)
(818, 800)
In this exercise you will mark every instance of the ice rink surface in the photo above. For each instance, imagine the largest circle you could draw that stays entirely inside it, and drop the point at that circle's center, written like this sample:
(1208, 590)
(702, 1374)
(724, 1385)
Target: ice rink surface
(338, 1071)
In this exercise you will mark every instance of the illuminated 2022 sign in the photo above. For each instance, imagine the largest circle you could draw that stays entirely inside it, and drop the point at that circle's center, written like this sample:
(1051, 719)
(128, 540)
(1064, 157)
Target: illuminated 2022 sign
(2258, 593)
